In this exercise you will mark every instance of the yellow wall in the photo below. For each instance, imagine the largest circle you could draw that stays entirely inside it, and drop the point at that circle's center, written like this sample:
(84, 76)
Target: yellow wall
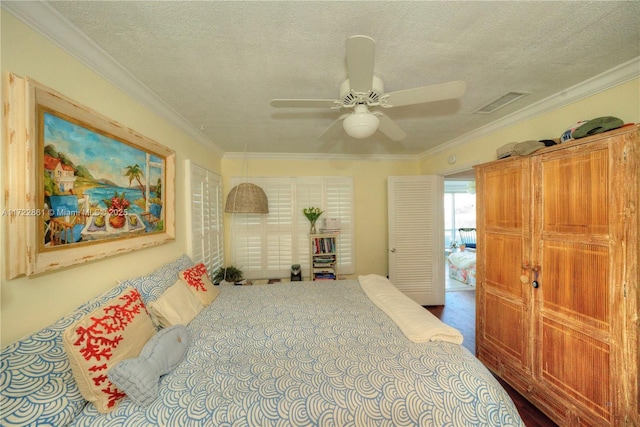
(622, 101)
(28, 304)
(370, 188)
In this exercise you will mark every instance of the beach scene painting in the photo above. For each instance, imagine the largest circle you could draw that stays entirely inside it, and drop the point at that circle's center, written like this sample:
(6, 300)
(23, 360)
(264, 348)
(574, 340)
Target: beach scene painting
(96, 187)
(80, 186)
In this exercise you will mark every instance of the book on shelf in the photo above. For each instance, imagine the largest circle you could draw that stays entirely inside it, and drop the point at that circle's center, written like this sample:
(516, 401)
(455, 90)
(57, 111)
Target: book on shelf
(323, 245)
(323, 270)
(324, 276)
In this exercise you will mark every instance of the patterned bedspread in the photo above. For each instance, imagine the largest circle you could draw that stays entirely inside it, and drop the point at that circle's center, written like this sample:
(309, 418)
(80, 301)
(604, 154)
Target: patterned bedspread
(309, 353)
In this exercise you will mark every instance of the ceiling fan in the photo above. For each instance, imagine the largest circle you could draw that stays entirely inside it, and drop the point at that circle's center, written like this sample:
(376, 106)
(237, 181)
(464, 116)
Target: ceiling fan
(362, 91)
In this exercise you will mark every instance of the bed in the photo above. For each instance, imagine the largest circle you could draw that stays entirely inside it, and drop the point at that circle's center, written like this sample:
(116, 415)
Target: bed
(330, 353)
(462, 267)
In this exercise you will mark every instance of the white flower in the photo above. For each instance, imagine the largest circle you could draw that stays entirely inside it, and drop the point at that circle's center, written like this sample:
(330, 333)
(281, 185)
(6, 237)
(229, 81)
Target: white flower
(312, 214)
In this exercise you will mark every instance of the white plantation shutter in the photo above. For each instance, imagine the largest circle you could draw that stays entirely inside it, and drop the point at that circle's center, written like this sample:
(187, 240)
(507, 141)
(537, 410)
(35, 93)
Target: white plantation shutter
(204, 210)
(265, 246)
(247, 241)
(262, 244)
(279, 221)
(339, 204)
(308, 194)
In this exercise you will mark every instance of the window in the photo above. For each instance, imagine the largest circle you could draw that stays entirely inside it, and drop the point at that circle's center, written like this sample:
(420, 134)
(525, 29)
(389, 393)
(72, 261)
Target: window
(459, 209)
(205, 210)
(265, 246)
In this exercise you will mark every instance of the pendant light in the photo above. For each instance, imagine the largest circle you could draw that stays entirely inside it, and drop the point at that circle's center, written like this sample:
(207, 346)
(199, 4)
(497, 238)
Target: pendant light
(246, 197)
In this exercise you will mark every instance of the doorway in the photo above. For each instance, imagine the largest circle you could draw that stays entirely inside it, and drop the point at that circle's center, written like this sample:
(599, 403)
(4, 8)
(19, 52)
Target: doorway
(459, 212)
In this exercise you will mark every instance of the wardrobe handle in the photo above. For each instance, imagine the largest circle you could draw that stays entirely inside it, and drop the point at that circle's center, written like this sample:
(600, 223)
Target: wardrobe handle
(523, 277)
(535, 282)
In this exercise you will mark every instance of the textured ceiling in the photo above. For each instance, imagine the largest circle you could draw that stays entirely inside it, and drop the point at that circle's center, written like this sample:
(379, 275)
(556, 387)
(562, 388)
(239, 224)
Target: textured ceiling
(219, 63)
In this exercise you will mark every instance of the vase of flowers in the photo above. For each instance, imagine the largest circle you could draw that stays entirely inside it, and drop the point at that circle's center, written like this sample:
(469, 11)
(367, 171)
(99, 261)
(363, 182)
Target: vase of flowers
(117, 209)
(312, 215)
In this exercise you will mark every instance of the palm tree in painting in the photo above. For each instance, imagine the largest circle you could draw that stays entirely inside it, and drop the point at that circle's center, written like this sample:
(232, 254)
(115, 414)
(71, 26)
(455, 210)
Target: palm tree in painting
(159, 189)
(134, 172)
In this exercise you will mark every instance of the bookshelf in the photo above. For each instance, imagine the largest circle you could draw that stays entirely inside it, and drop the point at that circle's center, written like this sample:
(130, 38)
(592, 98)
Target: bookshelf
(324, 257)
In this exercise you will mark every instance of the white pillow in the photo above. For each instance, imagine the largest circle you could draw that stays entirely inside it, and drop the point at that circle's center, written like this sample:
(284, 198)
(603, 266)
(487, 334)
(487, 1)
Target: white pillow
(176, 306)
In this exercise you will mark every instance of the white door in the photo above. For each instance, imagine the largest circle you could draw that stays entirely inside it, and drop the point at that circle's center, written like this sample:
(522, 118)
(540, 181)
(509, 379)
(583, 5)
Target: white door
(416, 237)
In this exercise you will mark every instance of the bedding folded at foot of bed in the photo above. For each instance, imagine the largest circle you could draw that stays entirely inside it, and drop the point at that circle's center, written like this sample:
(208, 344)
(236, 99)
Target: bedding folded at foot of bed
(417, 323)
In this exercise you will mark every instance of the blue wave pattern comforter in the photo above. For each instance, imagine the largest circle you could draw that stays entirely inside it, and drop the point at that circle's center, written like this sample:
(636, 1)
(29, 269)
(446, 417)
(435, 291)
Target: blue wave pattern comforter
(314, 354)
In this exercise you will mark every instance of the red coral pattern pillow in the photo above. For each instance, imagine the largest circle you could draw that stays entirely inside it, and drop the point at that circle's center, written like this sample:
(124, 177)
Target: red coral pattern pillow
(116, 331)
(198, 280)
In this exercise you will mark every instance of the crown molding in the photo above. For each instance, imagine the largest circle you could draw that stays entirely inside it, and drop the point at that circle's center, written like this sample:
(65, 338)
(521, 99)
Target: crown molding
(320, 156)
(50, 24)
(604, 81)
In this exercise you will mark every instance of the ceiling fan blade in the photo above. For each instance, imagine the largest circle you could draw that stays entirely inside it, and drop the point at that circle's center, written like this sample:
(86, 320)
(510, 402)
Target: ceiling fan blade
(333, 131)
(425, 94)
(305, 103)
(390, 128)
(360, 57)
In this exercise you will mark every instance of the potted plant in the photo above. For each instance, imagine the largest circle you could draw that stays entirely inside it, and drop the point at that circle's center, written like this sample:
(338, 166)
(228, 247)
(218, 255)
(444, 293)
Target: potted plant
(229, 274)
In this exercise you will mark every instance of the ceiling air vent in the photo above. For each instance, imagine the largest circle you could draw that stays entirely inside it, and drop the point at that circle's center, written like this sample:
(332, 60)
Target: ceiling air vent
(505, 99)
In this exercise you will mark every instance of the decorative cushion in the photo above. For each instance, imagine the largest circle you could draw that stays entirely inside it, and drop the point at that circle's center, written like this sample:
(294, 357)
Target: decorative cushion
(152, 285)
(176, 306)
(139, 377)
(46, 393)
(198, 281)
(114, 331)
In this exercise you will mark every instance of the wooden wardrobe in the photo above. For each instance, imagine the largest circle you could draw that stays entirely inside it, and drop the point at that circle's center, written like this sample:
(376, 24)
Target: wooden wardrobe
(557, 277)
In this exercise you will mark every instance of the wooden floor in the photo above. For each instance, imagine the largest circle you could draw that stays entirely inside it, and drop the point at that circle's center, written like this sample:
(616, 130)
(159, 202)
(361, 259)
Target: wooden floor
(459, 311)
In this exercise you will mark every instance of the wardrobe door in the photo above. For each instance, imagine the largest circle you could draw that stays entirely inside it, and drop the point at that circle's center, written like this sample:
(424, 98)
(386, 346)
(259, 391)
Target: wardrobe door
(579, 302)
(571, 245)
(503, 299)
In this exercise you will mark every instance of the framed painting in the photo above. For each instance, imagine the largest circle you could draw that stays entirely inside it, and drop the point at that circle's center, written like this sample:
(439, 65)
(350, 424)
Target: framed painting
(80, 186)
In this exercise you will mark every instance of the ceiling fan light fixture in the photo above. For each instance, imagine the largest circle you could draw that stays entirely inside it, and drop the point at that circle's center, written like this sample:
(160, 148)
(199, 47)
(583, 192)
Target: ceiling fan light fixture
(361, 124)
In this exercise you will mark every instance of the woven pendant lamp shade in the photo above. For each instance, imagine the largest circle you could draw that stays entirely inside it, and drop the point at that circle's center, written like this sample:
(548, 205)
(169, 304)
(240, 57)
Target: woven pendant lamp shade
(246, 198)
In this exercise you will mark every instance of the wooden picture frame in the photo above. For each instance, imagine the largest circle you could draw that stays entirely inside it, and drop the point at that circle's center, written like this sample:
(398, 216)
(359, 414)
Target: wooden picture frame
(78, 186)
